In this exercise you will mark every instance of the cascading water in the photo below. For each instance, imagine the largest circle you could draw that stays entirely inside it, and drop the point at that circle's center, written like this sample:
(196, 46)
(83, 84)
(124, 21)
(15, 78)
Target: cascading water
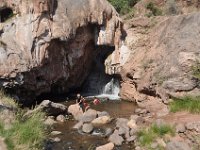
(98, 83)
(111, 89)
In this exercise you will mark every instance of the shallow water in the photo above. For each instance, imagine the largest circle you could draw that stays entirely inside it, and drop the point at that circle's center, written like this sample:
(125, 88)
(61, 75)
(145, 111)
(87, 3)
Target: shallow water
(74, 140)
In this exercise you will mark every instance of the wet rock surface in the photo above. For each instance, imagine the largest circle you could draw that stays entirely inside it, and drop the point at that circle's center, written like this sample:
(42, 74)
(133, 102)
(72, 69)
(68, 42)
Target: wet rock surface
(87, 128)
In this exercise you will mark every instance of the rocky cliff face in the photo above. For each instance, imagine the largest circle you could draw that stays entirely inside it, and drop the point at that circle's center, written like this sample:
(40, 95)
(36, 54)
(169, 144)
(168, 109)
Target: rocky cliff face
(164, 58)
(48, 45)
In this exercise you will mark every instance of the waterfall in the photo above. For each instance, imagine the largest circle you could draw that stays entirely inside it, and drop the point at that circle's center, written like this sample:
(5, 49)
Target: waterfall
(111, 89)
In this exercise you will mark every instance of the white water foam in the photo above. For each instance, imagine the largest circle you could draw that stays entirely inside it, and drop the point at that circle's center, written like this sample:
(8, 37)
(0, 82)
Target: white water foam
(111, 90)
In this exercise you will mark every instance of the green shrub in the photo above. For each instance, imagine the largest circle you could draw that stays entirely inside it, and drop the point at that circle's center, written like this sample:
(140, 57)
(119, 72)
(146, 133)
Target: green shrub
(162, 130)
(25, 133)
(155, 11)
(187, 103)
(147, 136)
(123, 6)
(30, 131)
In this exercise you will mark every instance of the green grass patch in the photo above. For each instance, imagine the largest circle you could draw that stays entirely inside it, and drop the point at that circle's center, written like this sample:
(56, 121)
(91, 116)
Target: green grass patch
(163, 130)
(147, 136)
(25, 132)
(187, 103)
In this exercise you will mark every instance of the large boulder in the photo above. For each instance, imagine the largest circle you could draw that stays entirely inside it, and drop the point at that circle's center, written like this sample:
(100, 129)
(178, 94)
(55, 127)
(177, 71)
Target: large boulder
(78, 125)
(87, 128)
(116, 138)
(76, 111)
(50, 108)
(89, 115)
(47, 46)
(101, 120)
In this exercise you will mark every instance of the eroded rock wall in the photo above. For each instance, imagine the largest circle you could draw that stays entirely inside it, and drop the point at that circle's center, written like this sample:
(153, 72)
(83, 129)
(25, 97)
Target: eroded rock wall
(48, 45)
(164, 55)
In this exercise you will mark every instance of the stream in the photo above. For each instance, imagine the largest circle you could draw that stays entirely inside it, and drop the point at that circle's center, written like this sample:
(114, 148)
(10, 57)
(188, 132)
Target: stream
(75, 140)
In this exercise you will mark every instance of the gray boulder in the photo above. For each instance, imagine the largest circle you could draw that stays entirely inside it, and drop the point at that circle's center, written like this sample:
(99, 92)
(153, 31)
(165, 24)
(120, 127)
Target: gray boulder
(87, 128)
(78, 125)
(88, 116)
(103, 113)
(177, 145)
(116, 138)
(50, 108)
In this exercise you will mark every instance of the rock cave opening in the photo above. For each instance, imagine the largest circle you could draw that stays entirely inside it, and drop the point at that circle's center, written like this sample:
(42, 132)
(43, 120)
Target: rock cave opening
(5, 14)
(98, 83)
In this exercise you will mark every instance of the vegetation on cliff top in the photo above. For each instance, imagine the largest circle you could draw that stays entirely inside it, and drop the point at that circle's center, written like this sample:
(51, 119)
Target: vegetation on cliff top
(25, 132)
(123, 6)
(154, 10)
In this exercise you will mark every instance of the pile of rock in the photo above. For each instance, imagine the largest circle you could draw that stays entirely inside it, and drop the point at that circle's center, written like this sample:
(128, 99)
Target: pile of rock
(89, 119)
(124, 130)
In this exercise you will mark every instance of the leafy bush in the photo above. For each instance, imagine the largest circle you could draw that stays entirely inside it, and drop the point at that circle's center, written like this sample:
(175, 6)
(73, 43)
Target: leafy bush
(155, 11)
(187, 103)
(123, 6)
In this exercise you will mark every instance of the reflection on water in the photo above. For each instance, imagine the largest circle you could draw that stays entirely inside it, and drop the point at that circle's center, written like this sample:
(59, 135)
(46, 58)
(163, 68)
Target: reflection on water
(73, 140)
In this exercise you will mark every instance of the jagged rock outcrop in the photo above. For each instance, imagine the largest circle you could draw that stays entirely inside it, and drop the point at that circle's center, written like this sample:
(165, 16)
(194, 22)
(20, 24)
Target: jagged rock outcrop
(48, 45)
(164, 59)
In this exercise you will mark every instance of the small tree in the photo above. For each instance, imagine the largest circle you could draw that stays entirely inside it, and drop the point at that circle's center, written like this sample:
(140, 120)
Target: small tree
(123, 6)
